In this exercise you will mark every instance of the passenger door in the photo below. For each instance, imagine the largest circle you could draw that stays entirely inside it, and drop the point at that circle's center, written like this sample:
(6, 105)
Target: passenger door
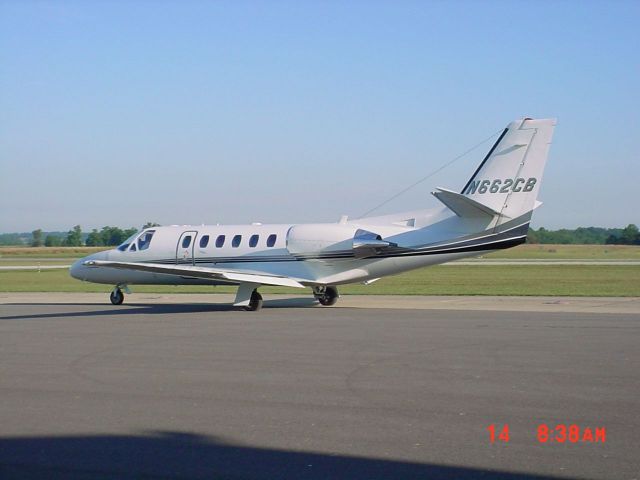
(184, 249)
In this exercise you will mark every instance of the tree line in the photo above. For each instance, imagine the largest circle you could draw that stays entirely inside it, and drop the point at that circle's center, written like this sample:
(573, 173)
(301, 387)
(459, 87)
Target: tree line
(105, 237)
(587, 235)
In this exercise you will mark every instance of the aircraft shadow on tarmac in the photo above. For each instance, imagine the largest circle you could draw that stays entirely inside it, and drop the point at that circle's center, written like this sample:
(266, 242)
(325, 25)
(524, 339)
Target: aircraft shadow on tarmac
(151, 308)
(171, 455)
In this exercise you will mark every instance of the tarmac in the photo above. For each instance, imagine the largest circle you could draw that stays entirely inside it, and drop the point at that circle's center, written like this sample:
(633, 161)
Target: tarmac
(412, 302)
(183, 386)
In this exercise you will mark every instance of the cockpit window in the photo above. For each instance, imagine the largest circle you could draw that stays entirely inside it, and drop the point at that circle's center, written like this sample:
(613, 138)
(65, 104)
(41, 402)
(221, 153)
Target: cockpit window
(133, 247)
(124, 245)
(144, 240)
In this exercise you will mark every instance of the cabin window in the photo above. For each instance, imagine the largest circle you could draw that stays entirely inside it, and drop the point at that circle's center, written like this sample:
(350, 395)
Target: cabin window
(220, 241)
(204, 241)
(235, 243)
(271, 240)
(253, 241)
(145, 239)
(186, 241)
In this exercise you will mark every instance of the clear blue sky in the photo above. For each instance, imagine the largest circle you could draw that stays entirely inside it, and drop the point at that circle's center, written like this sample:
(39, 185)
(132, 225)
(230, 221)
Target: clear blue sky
(118, 113)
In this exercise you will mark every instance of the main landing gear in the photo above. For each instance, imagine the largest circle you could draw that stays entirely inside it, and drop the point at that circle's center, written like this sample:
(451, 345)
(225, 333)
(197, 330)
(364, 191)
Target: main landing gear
(255, 302)
(116, 297)
(248, 297)
(327, 296)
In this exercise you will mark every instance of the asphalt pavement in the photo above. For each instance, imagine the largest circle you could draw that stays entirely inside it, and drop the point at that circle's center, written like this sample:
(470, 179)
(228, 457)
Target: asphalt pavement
(153, 389)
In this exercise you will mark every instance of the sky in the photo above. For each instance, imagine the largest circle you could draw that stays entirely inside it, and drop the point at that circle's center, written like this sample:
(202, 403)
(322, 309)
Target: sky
(190, 112)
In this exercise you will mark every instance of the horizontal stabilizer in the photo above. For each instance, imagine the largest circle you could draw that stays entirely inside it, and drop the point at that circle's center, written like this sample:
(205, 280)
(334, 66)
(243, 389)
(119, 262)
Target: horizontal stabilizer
(463, 206)
(201, 272)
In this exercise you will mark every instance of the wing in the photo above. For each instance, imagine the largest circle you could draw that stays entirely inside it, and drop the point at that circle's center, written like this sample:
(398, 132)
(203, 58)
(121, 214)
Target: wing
(242, 276)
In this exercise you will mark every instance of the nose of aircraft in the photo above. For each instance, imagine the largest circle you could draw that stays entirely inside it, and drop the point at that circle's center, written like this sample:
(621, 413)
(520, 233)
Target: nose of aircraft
(77, 268)
(82, 272)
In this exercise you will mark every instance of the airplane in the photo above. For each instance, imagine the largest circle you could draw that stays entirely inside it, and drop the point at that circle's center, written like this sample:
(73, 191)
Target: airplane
(491, 212)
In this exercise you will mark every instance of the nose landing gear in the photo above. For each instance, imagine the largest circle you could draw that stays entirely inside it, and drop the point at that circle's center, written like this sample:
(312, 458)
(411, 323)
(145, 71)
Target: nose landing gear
(116, 297)
(327, 296)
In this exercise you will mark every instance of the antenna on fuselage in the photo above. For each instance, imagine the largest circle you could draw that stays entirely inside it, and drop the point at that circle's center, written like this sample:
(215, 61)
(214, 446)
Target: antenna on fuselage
(414, 184)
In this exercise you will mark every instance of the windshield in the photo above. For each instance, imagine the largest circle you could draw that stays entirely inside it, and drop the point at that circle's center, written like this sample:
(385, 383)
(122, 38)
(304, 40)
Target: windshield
(123, 246)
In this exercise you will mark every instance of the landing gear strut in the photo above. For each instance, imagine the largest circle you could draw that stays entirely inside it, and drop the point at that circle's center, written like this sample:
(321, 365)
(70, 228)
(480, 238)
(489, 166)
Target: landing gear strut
(327, 296)
(255, 302)
(248, 297)
(117, 297)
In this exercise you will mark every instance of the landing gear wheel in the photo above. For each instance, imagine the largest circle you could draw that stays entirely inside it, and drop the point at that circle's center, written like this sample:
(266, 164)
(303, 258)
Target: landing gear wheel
(328, 296)
(117, 297)
(255, 303)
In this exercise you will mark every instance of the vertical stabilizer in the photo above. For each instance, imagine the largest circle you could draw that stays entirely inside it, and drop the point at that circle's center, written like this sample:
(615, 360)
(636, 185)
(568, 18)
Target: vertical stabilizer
(508, 179)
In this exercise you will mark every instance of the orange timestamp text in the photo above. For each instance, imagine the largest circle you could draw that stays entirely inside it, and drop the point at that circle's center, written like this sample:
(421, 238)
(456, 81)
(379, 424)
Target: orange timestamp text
(549, 434)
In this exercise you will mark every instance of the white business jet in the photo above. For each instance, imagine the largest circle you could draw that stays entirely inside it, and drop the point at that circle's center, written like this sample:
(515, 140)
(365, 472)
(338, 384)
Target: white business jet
(491, 212)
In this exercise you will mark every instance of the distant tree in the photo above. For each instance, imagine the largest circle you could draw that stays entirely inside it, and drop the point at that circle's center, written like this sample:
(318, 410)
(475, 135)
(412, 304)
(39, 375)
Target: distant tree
(564, 236)
(612, 240)
(10, 239)
(630, 235)
(589, 235)
(94, 239)
(52, 241)
(582, 235)
(112, 235)
(74, 237)
(37, 240)
(626, 236)
(128, 232)
(543, 235)
(105, 234)
(150, 224)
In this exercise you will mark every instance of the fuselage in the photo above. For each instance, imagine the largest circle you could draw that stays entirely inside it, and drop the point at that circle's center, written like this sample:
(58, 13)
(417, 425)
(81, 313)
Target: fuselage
(316, 254)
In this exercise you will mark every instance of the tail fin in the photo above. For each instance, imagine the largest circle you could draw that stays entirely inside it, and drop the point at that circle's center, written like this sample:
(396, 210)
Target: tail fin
(508, 179)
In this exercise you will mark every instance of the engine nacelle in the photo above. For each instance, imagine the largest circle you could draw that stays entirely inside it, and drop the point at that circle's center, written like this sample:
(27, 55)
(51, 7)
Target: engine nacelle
(326, 238)
(316, 238)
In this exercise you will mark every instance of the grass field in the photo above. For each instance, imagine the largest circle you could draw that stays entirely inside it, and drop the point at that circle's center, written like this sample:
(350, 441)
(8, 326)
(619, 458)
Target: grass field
(53, 252)
(562, 280)
(569, 252)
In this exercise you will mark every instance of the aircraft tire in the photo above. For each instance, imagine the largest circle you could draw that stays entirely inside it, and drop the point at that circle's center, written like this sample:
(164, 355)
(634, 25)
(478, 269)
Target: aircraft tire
(117, 297)
(329, 297)
(255, 303)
